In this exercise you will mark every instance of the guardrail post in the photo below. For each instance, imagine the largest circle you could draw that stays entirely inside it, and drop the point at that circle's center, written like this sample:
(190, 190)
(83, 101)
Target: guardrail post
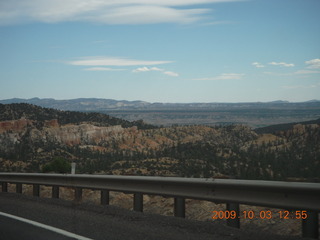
(310, 225)
(4, 187)
(179, 207)
(78, 194)
(19, 188)
(138, 202)
(73, 168)
(36, 190)
(104, 197)
(55, 191)
(233, 222)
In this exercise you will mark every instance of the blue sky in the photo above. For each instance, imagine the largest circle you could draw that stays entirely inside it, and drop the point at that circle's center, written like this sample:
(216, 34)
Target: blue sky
(172, 51)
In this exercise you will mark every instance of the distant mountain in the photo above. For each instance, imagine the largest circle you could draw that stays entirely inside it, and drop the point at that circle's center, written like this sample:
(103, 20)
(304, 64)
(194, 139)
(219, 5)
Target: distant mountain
(79, 104)
(99, 104)
(254, 114)
(314, 100)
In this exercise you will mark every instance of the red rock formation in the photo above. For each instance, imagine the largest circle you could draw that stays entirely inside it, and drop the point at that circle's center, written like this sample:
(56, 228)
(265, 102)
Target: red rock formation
(51, 123)
(81, 134)
(14, 125)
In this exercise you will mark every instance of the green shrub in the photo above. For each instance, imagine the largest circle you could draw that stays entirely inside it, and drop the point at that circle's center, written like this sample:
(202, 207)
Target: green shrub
(57, 165)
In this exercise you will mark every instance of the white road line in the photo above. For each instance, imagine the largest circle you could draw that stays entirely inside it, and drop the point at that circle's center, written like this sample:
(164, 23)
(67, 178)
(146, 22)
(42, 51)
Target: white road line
(40, 225)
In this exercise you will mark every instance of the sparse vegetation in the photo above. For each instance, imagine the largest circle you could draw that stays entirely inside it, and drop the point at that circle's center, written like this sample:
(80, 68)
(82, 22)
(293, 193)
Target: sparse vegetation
(57, 165)
(234, 151)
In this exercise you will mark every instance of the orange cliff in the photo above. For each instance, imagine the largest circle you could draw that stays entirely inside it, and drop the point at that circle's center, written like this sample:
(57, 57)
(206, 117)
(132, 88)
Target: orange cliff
(15, 125)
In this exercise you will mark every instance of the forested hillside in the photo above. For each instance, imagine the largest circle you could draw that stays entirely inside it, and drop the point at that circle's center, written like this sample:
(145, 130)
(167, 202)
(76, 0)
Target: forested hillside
(32, 136)
(17, 111)
(253, 114)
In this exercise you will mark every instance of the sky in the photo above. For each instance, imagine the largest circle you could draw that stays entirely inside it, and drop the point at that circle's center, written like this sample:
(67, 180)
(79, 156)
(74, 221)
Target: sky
(161, 51)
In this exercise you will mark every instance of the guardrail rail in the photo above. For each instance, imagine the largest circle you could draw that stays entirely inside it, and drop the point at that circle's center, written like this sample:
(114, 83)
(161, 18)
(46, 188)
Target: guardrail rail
(275, 194)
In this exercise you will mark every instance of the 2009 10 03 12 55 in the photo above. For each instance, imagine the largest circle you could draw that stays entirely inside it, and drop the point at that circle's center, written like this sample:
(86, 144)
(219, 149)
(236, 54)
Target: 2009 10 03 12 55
(267, 214)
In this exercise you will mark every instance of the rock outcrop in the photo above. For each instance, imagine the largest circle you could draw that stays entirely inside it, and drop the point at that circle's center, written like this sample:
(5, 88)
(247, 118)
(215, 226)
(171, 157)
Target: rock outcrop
(99, 145)
(14, 125)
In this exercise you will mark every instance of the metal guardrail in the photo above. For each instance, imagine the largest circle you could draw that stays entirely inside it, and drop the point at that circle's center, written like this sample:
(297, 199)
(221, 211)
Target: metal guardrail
(286, 195)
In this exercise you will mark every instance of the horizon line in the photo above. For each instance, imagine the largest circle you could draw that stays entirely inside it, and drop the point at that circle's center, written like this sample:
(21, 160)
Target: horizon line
(97, 98)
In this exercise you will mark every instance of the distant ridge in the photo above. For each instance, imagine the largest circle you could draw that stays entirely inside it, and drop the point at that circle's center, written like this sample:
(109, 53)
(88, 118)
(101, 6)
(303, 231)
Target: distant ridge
(283, 127)
(79, 104)
(254, 114)
(100, 104)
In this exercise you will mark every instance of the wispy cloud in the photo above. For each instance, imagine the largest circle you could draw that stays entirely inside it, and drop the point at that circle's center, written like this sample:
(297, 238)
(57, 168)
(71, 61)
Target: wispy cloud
(278, 74)
(106, 12)
(223, 76)
(299, 72)
(148, 69)
(283, 64)
(102, 69)
(306, 72)
(302, 86)
(257, 65)
(313, 64)
(172, 74)
(113, 61)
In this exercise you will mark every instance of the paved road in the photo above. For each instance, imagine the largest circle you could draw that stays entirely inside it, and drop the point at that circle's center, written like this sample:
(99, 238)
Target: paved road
(16, 230)
(107, 222)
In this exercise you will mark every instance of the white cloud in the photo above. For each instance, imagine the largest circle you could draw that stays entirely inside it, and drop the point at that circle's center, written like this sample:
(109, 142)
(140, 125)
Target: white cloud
(306, 72)
(106, 12)
(223, 76)
(102, 69)
(282, 64)
(302, 86)
(99, 63)
(299, 72)
(172, 74)
(148, 15)
(257, 65)
(147, 69)
(278, 74)
(314, 63)
(113, 61)
(156, 69)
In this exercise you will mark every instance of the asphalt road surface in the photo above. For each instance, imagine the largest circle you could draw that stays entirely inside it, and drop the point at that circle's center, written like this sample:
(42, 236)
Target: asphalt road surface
(14, 229)
(105, 222)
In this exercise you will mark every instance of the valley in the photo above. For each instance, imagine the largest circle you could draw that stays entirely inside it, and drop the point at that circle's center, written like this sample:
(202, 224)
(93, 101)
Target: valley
(37, 139)
(253, 114)
(33, 136)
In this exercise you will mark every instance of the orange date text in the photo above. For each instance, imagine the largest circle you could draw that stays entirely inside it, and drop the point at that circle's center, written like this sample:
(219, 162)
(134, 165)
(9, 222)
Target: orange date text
(267, 214)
